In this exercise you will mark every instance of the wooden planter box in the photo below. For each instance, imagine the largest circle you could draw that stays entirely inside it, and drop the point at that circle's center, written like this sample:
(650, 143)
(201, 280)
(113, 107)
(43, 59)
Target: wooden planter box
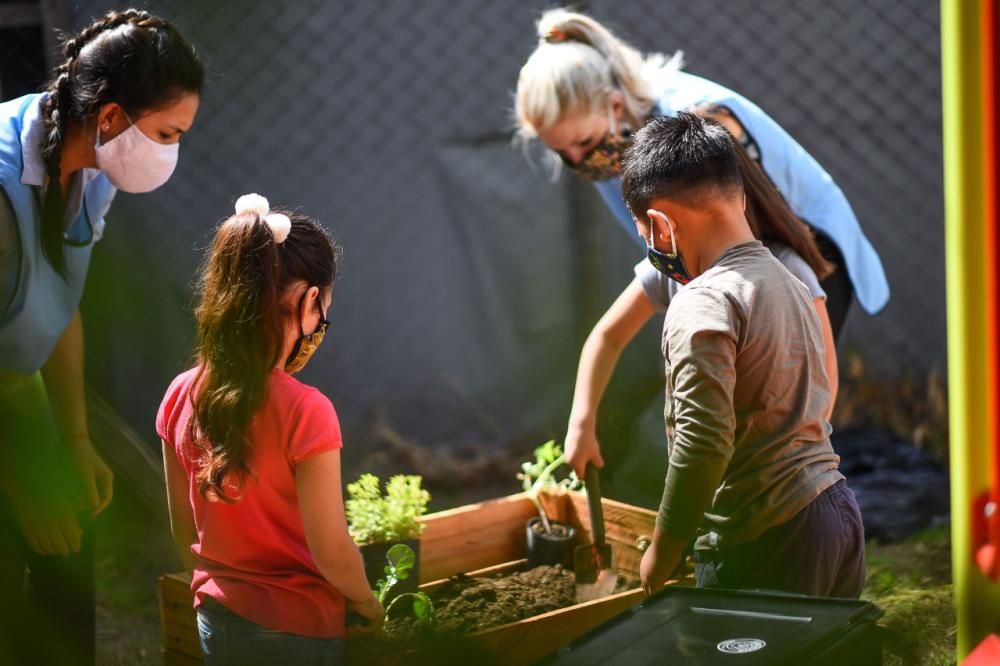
(477, 538)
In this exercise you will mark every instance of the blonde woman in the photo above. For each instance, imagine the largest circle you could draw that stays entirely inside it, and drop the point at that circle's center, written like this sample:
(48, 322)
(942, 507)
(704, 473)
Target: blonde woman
(583, 92)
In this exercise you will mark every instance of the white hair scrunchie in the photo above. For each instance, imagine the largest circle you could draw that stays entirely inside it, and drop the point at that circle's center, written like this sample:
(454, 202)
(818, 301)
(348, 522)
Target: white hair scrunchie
(279, 223)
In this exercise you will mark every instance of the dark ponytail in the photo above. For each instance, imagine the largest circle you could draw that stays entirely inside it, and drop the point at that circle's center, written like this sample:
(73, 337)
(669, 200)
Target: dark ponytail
(768, 213)
(241, 333)
(771, 219)
(132, 58)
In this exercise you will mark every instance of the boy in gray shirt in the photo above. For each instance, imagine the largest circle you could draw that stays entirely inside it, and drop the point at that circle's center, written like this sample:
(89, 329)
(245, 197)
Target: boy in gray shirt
(752, 476)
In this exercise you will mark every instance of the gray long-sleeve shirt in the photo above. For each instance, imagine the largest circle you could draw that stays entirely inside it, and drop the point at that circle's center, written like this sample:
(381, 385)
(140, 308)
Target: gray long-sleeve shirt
(747, 392)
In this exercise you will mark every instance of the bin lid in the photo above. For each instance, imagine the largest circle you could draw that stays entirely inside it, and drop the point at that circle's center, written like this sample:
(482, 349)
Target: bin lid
(707, 626)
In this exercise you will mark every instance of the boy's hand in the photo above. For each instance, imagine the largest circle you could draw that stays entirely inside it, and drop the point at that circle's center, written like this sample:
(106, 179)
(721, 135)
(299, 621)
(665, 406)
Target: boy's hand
(582, 447)
(652, 573)
(372, 611)
(659, 561)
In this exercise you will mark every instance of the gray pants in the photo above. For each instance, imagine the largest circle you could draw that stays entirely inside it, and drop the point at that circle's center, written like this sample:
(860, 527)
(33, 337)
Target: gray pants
(819, 552)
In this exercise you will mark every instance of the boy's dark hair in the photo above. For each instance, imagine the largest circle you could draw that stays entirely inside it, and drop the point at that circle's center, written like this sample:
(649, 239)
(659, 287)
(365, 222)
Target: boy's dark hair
(678, 157)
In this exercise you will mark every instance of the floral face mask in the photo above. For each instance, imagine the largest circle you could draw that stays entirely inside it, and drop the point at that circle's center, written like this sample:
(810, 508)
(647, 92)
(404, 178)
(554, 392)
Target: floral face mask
(306, 345)
(605, 160)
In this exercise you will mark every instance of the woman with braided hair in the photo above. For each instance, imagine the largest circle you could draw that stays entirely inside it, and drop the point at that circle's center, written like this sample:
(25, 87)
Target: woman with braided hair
(111, 119)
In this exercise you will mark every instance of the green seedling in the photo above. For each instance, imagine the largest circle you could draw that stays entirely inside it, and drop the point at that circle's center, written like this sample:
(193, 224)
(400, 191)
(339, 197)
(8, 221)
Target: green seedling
(400, 560)
(376, 518)
(538, 475)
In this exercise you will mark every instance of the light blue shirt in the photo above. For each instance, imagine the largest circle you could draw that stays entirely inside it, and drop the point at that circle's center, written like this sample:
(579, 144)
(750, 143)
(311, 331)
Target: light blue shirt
(806, 186)
(36, 303)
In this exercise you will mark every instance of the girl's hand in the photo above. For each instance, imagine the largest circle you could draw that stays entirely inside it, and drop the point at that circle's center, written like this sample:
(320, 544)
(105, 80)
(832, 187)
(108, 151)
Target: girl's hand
(582, 447)
(371, 610)
(98, 481)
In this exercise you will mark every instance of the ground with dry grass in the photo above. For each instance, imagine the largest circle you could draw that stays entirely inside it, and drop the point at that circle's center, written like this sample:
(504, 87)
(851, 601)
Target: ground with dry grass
(911, 582)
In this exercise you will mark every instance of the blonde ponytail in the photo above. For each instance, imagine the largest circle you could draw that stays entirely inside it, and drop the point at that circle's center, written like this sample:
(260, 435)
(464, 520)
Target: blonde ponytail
(576, 64)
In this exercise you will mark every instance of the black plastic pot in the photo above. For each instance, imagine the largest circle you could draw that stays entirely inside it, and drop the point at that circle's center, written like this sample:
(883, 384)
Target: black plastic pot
(374, 557)
(552, 548)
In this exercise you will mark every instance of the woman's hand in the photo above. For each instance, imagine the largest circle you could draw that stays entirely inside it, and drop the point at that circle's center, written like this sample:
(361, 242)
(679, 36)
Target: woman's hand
(371, 610)
(98, 481)
(46, 518)
(582, 447)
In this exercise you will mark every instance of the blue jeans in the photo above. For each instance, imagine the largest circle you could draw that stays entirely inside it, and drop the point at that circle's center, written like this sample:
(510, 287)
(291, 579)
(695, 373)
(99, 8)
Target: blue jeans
(228, 639)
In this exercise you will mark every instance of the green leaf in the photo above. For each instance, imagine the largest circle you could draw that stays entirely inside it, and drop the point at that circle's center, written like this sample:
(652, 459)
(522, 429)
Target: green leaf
(423, 608)
(401, 559)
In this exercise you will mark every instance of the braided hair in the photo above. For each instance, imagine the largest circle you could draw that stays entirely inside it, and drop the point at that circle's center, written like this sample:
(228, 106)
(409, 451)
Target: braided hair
(133, 58)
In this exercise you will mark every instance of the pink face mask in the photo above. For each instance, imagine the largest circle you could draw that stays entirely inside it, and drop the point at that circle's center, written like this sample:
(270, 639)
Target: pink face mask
(135, 163)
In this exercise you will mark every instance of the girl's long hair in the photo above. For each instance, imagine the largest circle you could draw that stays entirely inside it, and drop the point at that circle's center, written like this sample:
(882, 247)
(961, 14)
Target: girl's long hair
(133, 58)
(770, 217)
(241, 314)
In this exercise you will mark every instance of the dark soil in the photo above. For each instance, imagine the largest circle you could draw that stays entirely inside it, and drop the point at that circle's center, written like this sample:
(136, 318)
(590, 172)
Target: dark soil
(466, 604)
(559, 531)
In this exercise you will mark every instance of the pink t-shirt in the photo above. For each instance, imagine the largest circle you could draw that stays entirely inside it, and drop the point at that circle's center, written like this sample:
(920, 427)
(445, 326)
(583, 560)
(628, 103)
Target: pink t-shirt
(252, 556)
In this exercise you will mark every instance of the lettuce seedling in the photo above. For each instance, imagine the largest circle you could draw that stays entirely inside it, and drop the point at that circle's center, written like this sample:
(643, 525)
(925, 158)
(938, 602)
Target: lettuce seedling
(400, 560)
(376, 518)
(539, 474)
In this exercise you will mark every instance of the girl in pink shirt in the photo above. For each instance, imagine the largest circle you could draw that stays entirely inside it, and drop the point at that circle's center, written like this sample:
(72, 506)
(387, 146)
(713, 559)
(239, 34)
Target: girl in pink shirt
(252, 456)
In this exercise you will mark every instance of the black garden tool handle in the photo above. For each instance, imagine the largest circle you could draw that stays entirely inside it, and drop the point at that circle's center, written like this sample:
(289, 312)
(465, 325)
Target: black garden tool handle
(592, 480)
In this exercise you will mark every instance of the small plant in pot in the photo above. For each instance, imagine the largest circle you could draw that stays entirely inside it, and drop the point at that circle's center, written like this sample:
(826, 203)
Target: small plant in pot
(549, 541)
(400, 563)
(377, 521)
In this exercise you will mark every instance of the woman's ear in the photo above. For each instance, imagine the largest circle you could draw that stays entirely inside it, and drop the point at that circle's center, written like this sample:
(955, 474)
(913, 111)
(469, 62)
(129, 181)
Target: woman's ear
(111, 121)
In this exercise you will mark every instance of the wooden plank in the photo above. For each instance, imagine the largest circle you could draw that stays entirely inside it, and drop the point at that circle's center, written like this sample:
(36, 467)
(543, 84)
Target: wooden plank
(626, 526)
(473, 536)
(556, 505)
(529, 640)
(178, 623)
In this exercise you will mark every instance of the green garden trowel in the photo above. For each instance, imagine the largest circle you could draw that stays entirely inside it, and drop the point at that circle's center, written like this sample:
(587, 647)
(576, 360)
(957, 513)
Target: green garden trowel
(595, 575)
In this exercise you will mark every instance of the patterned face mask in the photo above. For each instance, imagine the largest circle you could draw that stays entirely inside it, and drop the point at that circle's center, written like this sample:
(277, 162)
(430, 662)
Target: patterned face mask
(605, 160)
(306, 346)
(670, 263)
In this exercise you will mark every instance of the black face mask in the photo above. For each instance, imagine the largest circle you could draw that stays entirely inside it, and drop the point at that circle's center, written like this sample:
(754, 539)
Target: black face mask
(306, 345)
(671, 265)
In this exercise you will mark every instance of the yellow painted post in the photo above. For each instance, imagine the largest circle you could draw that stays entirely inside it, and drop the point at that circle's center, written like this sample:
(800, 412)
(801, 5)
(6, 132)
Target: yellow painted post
(977, 599)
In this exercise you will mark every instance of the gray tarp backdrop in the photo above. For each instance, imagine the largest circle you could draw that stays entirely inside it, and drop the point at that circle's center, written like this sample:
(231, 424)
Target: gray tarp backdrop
(469, 278)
